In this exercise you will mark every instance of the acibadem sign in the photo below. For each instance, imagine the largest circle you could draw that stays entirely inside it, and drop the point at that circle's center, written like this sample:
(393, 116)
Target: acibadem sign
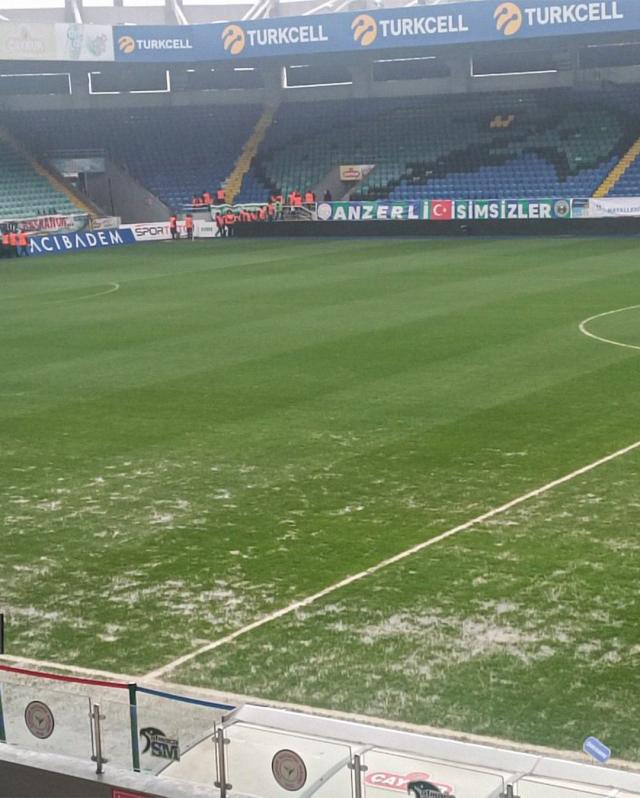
(444, 210)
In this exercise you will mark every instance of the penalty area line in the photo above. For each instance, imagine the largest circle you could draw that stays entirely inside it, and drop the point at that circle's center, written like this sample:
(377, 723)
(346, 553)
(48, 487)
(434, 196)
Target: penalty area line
(403, 555)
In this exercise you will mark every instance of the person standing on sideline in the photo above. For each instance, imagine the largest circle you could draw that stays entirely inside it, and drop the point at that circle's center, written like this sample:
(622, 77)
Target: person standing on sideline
(23, 244)
(327, 196)
(173, 227)
(13, 244)
(188, 226)
(5, 251)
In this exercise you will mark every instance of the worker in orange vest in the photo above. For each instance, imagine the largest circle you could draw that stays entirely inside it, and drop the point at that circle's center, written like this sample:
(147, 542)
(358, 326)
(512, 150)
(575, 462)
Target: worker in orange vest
(173, 227)
(207, 198)
(220, 196)
(23, 244)
(309, 199)
(5, 250)
(188, 226)
(220, 225)
(13, 244)
(229, 222)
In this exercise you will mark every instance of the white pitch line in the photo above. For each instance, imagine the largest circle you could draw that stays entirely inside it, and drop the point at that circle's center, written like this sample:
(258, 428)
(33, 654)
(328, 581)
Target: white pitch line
(113, 288)
(583, 327)
(349, 580)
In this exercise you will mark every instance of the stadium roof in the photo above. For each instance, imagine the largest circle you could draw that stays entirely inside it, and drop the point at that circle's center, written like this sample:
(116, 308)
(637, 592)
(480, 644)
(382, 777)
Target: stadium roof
(180, 12)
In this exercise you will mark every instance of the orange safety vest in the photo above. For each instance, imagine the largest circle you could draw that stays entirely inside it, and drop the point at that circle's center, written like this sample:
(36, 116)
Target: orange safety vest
(220, 194)
(5, 239)
(219, 219)
(207, 198)
(23, 241)
(188, 222)
(173, 222)
(292, 198)
(308, 197)
(13, 240)
(229, 218)
(298, 200)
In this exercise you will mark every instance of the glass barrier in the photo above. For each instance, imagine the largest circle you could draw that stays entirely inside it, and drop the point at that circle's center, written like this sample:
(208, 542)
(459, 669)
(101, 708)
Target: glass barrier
(389, 771)
(176, 736)
(46, 719)
(273, 764)
(115, 727)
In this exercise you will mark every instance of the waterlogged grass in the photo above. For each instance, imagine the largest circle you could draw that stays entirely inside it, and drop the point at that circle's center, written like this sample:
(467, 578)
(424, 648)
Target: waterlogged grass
(243, 423)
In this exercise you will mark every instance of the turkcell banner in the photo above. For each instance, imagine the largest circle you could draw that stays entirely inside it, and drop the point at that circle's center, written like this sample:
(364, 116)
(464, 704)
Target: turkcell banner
(419, 26)
(614, 207)
(59, 42)
(79, 242)
(444, 210)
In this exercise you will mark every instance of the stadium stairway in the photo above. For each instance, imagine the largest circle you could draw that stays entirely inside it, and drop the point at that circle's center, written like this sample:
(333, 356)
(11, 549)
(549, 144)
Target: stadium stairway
(619, 170)
(27, 188)
(241, 167)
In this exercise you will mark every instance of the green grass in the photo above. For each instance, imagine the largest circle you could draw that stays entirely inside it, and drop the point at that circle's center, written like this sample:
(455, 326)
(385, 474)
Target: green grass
(244, 423)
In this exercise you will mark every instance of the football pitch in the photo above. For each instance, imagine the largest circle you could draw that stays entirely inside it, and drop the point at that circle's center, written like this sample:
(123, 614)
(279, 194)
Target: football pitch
(196, 437)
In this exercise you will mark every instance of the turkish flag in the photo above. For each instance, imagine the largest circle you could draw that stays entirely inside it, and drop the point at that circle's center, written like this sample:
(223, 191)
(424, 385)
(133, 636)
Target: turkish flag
(441, 209)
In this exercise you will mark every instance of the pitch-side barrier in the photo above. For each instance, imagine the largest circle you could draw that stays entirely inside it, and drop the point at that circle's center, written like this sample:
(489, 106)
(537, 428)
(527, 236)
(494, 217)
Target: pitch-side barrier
(236, 749)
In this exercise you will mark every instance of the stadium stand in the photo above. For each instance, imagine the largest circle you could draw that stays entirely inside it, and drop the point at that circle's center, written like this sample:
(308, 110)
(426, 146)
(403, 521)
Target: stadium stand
(24, 192)
(173, 152)
(547, 143)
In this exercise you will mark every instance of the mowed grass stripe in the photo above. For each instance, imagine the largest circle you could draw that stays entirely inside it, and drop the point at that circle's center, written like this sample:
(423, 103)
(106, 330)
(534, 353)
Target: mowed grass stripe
(223, 448)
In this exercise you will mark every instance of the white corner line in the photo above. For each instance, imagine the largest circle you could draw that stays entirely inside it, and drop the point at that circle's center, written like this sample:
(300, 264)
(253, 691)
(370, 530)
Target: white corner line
(583, 327)
(349, 580)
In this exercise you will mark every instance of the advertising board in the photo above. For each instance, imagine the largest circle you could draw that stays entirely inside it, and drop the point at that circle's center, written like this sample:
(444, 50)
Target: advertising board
(61, 243)
(419, 26)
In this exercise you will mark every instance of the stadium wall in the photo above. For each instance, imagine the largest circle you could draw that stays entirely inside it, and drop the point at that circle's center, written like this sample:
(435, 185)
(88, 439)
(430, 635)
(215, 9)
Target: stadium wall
(430, 228)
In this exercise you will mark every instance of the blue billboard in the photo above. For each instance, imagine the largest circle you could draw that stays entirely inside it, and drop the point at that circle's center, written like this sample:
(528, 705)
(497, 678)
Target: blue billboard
(417, 26)
(60, 243)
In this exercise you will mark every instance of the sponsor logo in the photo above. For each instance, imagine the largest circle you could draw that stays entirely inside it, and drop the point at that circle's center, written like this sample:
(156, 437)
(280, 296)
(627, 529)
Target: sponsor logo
(508, 17)
(39, 720)
(418, 784)
(365, 30)
(442, 209)
(126, 44)
(289, 770)
(324, 211)
(422, 26)
(26, 44)
(158, 744)
(233, 39)
(151, 231)
(236, 39)
(40, 245)
(572, 13)
(562, 209)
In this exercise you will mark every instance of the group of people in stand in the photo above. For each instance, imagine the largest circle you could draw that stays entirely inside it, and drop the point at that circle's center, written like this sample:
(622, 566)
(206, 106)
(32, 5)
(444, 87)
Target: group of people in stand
(227, 218)
(207, 198)
(14, 243)
(226, 222)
